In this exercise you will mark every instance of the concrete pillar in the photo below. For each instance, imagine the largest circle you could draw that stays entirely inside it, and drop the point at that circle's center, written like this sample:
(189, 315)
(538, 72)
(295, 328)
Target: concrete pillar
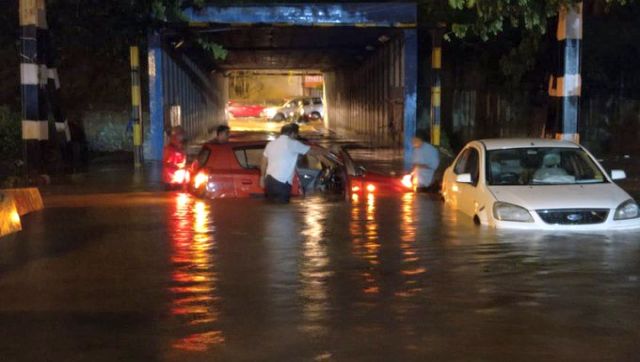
(136, 108)
(565, 86)
(436, 86)
(33, 81)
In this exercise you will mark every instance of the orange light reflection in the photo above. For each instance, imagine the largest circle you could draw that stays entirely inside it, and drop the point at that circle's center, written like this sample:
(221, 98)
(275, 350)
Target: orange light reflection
(411, 268)
(193, 278)
(314, 269)
(364, 233)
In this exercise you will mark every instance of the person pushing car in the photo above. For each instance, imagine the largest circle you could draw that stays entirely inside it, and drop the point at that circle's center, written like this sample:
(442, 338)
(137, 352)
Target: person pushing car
(279, 163)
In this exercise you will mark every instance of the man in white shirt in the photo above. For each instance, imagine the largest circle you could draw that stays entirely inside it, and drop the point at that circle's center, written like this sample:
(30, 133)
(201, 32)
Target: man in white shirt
(279, 163)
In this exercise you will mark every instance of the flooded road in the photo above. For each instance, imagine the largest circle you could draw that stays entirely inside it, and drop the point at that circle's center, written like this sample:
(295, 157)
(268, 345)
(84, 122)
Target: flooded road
(164, 276)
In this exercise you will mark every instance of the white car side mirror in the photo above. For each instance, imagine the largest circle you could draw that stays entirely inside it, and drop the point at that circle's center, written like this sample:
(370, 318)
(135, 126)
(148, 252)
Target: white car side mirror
(618, 175)
(464, 178)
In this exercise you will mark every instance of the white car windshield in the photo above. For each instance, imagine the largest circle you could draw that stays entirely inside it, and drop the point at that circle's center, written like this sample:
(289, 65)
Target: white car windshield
(542, 166)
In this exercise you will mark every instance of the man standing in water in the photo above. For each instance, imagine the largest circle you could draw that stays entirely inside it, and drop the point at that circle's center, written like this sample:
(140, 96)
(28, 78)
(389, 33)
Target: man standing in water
(279, 163)
(174, 159)
(425, 162)
(222, 134)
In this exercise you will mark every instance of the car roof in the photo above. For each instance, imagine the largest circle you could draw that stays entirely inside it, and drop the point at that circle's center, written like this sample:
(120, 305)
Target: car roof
(502, 143)
(236, 144)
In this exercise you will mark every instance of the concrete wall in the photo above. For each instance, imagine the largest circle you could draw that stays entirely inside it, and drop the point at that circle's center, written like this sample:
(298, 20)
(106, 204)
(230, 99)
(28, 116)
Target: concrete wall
(369, 100)
(608, 125)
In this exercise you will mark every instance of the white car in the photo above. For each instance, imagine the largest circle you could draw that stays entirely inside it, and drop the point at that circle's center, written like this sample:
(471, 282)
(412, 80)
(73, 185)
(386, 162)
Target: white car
(283, 112)
(310, 108)
(538, 184)
(298, 108)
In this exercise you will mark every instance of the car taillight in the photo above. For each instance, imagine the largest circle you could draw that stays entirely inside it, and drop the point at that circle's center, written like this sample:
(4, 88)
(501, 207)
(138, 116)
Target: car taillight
(371, 188)
(180, 176)
(200, 179)
(407, 181)
(355, 189)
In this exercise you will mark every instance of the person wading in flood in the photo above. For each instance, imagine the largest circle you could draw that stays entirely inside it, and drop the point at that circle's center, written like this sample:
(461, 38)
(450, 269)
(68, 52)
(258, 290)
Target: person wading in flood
(279, 163)
(426, 160)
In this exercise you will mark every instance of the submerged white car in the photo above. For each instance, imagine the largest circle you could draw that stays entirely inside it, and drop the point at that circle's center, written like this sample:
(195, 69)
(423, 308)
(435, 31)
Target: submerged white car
(539, 184)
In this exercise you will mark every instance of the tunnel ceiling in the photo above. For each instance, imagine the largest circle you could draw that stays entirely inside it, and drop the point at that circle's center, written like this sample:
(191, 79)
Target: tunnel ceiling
(287, 47)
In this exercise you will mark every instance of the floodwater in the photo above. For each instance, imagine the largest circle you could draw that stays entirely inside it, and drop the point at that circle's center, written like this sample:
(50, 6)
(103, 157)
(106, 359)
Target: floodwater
(163, 276)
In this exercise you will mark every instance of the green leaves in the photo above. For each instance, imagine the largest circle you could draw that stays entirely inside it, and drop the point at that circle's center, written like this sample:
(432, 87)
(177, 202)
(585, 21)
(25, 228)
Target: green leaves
(218, 52)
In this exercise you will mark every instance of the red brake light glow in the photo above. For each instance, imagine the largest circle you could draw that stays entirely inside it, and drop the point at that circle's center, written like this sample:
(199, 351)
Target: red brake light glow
(179, 176)
(200, 179)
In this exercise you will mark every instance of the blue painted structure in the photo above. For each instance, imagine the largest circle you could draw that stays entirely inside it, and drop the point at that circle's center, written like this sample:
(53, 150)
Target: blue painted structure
(174, 80)
(395, 70)
(156, 98)
(342, 14)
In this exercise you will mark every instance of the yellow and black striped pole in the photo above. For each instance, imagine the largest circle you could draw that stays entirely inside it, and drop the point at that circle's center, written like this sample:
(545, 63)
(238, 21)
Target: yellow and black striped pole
(565, 86)
(136, 110)
(436, 90)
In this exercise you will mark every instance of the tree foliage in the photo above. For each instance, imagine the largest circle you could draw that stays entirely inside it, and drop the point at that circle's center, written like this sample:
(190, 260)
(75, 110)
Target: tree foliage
(488, 18)
(508, 20)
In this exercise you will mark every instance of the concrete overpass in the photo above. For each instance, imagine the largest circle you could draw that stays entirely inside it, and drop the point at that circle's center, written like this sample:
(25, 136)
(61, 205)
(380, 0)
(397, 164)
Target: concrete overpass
(366, 51)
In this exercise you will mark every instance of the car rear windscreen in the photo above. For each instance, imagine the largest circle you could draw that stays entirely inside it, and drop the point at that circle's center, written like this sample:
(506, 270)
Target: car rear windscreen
(249, 157)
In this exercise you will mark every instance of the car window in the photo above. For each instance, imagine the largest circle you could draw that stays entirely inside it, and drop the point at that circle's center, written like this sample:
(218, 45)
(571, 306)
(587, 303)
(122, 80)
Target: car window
(471, 165)
(249, 157)
(309, 162)
(542, 166)
(203, 156)
(317, 101)
(462, 161)
(306, 102)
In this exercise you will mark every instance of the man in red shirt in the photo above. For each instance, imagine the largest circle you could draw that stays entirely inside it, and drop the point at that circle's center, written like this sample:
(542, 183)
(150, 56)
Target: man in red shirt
(174, 159)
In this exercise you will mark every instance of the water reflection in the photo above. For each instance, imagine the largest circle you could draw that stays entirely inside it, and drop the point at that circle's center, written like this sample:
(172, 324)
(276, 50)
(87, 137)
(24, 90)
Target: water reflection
(364, 234)
(193, 287)
(412, 267)
(314, 270)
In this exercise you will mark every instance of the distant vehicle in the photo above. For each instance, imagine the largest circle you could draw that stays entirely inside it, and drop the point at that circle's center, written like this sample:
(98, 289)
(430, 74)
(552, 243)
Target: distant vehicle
(537, 184)
(232, 170)
(310, 109)
(244, 109)
(300, 108)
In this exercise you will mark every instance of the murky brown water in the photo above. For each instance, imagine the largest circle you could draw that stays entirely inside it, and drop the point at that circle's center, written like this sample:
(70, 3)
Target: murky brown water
(151, 276)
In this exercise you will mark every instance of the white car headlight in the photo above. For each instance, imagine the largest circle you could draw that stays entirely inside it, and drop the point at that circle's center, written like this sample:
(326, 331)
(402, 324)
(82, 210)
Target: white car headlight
(505, 211)
(627, 210)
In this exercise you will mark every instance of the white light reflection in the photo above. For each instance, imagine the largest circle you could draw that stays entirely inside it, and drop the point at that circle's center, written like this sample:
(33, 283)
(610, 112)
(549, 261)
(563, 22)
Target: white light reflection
(314, 269)
(411, 267)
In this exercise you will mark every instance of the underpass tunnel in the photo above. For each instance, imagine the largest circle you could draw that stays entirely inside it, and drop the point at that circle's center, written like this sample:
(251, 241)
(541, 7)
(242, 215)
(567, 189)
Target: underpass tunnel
(364, 57)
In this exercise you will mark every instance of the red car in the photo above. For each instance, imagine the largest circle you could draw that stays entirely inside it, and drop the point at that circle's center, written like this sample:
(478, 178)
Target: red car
(233, 170)
(244, 109)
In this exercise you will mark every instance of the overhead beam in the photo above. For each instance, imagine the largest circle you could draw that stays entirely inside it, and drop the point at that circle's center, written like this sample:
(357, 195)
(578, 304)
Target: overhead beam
(349, 14)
